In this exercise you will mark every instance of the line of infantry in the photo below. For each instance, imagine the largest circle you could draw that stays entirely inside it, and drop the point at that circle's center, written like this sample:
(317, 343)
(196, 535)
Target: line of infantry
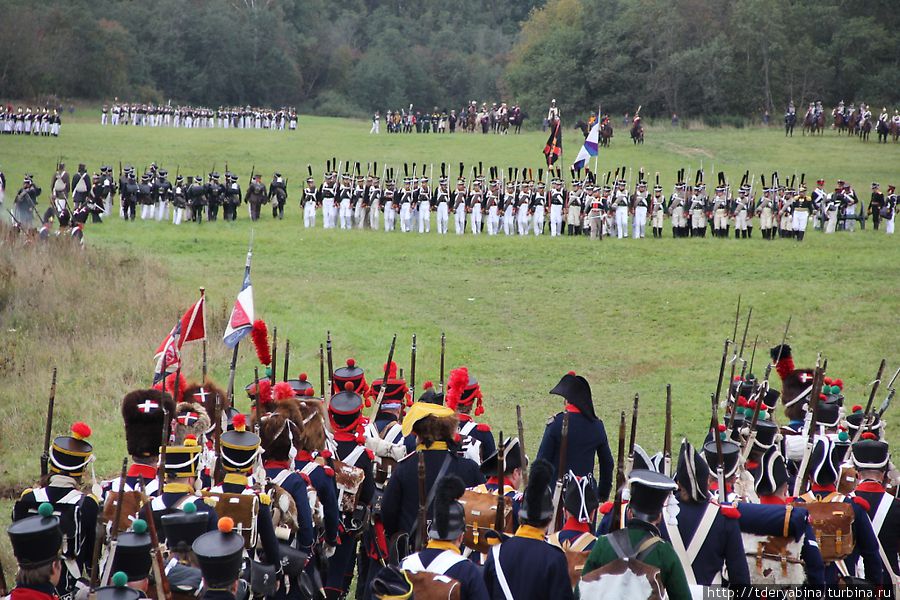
(198, 117)
(511, 202)
(308, 495)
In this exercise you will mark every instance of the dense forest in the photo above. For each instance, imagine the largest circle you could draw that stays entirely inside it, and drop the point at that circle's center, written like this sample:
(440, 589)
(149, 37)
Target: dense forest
(351, 57)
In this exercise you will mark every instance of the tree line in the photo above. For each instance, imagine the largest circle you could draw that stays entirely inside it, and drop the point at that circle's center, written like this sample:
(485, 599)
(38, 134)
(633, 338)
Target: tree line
(350, 58)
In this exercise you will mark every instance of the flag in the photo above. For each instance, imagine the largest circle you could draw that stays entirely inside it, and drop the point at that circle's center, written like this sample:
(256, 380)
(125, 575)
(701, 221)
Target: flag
(553, 149)
(190, 328)
(590, 147)
(241, 321)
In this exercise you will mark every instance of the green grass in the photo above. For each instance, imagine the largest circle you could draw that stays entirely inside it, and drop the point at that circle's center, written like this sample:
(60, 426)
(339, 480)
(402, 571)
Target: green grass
(629, 315)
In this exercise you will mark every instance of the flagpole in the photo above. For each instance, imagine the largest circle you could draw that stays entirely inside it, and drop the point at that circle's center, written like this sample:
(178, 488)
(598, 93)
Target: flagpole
(597, 156)
(234, 354)
(202, 299)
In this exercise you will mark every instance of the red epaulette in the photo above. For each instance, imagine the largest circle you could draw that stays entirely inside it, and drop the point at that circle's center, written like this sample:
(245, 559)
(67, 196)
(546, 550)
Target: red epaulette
(483, 427)
(306, 478)
(606, 507)
(729, 511)
(329, 471)
(862, 502)
(370, 454)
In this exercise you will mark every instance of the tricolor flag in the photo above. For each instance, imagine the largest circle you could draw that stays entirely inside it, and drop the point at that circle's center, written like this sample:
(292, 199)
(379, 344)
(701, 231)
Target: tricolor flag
(190, 328)
(241, 321)
(553, 149)
(590, 147)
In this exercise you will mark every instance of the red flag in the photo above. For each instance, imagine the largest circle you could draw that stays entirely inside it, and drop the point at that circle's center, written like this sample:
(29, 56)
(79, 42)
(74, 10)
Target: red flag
(553, 149)
(190, 328)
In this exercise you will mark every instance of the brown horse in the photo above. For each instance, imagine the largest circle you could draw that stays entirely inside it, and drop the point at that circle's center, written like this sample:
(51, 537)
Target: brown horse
(853, 123)
(839, 122)
(810, 123)
(865, 129)
(606, 133)
(895, 130)
(637, 131)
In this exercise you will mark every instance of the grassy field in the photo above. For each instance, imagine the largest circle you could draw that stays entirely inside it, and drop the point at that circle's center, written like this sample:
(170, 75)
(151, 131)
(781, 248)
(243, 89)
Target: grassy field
(629, 315)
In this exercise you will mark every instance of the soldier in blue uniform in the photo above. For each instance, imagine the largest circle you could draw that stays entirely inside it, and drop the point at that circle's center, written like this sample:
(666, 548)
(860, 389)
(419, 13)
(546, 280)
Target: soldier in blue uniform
(69, 456)
(435, 429)
(181, 473)
(731, 453)
(871, 458)
(134, 556)
(525, 565)
(36, 543)
(512, 474)
(705, 536)
(587, 436)
(581, 503)
(348, 426)
(464, 393)
(181, 528)
(240, 452)
(824, 467)
(220, 556)
(442, 555)
(144, 412)
(775, 516)
(648, 492)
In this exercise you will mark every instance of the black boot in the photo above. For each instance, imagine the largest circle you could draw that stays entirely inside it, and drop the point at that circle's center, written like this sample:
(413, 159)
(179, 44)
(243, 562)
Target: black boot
(749, 232)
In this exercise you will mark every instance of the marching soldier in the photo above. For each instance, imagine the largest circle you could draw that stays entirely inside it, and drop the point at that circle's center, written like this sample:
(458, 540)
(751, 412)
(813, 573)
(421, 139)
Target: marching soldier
(890, 205)
(705, 536)
(374, 202)
(390, 204)
(871, 459)
(586, 434)
(181, 469)
(524, 211)
(327, 198)
(492, 199)
(278, 191)
(557, 202)
(255, 196)
(196, 196)
(181, 529)
(538, 207)
(620, 204)
(575, 205)
(442, 555)
(214, 194)
(657, 209)
(766, 210)
(435, 429)
(677, 207)
(831, 207)
(581, 504)
(359, 201)
(406, 198)
(423, 204)
(310, 201)
(785, 200)
(731, 453)
(697, 209)
(876, 203)
(509, 208)
(476, 201)
(720, 208)
(220, 554)
(801, 209)
(464, 393)
(232, 197)
(145, 196)
(460, 206)
(133, 558)
(819, 198)
(525, 565)
(348, 426)
(640, 206)
(345, 197)
(162, 191)
(442, 202)
(740, 210)
(36, 543)
(69, 457)
(179, 201)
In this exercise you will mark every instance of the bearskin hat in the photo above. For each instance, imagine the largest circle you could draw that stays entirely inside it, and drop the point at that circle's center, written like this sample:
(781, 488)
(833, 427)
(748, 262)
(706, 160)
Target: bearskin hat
(206, 394)
(449, 515)
(537, 502)
(144, 412)
(190, 419)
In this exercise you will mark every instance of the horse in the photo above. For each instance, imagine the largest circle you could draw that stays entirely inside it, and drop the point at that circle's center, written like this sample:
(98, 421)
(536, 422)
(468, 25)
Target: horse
(853, 123)
(606, 133)
(895, 130)
(809, 122)
(637, 132)
(865, 130)
(471, 120)
(503, 122)
(840, 123)
(580, 124)
(883, 130)
(790, 119)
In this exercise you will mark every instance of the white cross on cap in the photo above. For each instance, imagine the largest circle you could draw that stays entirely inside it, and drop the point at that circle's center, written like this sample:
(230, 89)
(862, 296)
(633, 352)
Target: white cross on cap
(203, 394)
(148, 406)
(804, 377)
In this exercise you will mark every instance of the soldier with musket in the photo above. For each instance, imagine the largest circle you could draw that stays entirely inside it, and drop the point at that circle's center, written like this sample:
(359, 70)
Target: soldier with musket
(36, 543)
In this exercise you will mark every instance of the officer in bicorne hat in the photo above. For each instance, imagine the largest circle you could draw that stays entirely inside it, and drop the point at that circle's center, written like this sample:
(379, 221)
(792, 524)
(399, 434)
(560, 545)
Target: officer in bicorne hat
(36, 543)
(649, 491)
(220, 554)
(705, 536)
(442, 555)
(435, 429)
(464, 393)
(872, 460)
(69, 456)
(525, 565)
(587, 436)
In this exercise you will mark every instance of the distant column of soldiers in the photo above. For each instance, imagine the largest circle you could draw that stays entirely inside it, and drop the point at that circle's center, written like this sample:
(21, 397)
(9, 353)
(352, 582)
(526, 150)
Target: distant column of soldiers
(30, 121)
(499, 118)
(307, 494)
(193, 117)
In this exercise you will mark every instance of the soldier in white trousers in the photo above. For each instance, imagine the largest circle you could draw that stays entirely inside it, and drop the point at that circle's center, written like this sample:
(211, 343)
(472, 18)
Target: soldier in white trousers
(802, 208)
(460, 206)
(406, 198)
(658, 209)
(557, 202)
(509, 208)
(476, 202)
(442, 211)
(374, 202)
(641, 204)
(345, 195)
(538, 209)
(524, 212)
(492, 199)
(390, 207)
(423, 203)
(890, 204)
(310, 199)
(620, 204)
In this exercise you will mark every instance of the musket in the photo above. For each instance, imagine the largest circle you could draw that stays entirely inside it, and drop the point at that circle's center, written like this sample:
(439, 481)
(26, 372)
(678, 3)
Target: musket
(864, 424)
(753, 355)
(322, 372)
(384, 378)
(274, 375)
(330, 363)
(423, 508)
(737, 356)
(620, 477)
(501, 488)
(412, 371)
(219, 469)
(287, 358)
(524, 459)
(204, 363)
(94, 577)
(441, 388)
(809, 428)
(667, 436)
(163, 591)
(114, 531)
(632, 435)
(161, 469)
(890, 396)
(560, 473)
(48, 428)
(722, 370)
(720, 460)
